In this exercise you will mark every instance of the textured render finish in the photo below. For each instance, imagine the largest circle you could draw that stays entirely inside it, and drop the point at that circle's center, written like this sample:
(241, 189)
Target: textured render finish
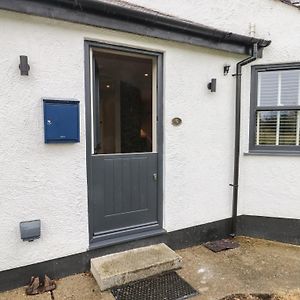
(120, 268)
(39, 181)
(48, 182)
(268, 185)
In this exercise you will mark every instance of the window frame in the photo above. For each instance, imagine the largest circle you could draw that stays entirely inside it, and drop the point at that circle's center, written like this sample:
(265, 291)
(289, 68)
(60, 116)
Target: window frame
(253, 148)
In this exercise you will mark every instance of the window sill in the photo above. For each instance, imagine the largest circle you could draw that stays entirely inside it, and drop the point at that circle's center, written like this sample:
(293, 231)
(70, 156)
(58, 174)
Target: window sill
(272, 153)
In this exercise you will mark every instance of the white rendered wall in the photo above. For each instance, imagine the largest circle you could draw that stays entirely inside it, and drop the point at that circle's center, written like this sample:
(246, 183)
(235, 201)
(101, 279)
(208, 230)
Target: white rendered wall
(269, 185)
(49, 181)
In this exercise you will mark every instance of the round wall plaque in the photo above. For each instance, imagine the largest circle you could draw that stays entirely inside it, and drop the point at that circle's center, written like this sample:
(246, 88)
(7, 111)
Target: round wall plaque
(176, 121)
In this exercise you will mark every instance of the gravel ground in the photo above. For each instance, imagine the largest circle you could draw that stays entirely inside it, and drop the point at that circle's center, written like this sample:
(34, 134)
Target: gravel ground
(294, 295)
(256, 267)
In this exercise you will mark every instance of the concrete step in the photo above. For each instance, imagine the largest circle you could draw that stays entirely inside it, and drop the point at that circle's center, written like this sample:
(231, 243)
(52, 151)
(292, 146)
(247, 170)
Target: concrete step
(120, 268)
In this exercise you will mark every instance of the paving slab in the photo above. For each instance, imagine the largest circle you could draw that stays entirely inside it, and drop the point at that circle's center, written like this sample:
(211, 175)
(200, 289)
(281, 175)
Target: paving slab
(123, 267)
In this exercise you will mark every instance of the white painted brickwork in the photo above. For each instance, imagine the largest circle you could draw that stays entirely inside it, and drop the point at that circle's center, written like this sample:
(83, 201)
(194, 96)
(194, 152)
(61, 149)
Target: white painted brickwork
(49, 181)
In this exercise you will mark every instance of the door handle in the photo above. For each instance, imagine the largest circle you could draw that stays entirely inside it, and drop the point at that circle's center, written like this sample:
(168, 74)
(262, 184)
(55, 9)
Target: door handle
(155, 176)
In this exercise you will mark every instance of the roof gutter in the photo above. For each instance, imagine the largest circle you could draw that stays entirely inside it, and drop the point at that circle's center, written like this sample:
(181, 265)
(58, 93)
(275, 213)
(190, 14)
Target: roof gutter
(137, 20)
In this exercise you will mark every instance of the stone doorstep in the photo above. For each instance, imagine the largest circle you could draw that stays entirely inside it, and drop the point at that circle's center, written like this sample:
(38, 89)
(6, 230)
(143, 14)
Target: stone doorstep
(120, 268)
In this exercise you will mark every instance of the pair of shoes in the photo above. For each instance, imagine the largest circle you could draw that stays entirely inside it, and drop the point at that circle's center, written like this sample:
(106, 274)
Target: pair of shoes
(37, 287)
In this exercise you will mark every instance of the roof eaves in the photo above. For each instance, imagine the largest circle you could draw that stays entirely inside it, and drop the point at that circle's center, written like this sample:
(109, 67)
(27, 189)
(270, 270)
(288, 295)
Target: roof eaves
(150, 16)
(122, 16)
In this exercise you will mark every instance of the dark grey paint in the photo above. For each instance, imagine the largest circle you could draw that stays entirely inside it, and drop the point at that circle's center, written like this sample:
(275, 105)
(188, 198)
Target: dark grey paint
(148, 219)
(124, 192)
(276, 229)
(266, 149)
(279, 229)
(77, 263)
(146, 23)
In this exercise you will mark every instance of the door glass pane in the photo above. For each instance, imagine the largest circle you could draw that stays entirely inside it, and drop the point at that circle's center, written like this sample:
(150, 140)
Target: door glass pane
(124, 113)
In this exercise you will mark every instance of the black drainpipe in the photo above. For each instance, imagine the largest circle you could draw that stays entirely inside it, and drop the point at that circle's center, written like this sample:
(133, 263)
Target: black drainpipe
(235, 184)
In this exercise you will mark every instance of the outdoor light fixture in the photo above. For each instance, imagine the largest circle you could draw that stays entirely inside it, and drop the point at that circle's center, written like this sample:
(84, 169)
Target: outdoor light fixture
(24, 66)
(226, 69)
(212, 86)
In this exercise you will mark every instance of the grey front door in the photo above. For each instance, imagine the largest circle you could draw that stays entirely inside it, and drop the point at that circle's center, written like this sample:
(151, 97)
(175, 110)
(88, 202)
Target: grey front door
(123, 165)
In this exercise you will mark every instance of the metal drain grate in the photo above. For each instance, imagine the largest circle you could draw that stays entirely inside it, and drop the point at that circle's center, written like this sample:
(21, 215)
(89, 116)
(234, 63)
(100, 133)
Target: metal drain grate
(169, 286)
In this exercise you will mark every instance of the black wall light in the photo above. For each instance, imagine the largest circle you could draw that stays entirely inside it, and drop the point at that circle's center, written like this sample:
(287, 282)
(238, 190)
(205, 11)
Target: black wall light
(212, 86)
(24, 66)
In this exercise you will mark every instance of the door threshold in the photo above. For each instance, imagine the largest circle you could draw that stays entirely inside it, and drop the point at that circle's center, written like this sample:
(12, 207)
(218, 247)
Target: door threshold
(99, 242)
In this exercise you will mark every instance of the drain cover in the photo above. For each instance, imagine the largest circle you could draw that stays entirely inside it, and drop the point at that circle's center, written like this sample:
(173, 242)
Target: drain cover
(169, 286)
(221, 245)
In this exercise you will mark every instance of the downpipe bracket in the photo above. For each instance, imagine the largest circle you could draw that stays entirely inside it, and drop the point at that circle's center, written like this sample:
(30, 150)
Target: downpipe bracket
(233, 185)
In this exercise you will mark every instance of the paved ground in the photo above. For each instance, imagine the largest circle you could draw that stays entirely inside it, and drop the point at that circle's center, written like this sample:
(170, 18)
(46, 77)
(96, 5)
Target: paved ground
(258, 266)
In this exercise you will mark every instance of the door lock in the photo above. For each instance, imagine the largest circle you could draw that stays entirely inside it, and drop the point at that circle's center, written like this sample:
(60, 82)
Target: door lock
(155, 176)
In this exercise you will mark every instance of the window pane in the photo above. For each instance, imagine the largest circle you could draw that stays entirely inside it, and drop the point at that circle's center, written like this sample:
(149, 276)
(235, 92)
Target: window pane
(266, 128)
(289, 87)
(125, 107)
(277, 88)
(268, 88)
(278, 128)
(288, 128)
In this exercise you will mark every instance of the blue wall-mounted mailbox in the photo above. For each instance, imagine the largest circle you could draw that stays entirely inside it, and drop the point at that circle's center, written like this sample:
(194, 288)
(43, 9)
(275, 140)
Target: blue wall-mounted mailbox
(61, 121)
